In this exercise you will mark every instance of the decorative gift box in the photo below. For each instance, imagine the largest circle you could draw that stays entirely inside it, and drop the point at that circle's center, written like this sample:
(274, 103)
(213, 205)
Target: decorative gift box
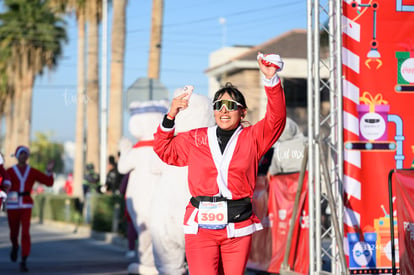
(372, 114)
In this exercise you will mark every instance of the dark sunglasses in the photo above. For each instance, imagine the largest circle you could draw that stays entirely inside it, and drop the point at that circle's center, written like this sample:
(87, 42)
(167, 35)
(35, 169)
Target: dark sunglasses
(231, 105)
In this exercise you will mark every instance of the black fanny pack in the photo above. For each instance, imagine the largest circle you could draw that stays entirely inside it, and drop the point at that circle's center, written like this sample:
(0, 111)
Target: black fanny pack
(237, 210)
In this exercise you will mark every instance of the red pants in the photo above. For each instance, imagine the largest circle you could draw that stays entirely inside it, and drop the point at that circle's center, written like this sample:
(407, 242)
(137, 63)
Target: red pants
(17, 217)
(208, 249)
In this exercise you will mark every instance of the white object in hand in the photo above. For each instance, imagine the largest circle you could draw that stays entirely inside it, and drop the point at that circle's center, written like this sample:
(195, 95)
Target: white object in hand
(271, 60)
(186, 89)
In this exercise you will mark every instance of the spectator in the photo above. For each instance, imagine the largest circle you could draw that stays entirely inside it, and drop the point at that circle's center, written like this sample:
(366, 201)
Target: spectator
(69, 185)
(113, 178)
(288, 150)
(90, 180)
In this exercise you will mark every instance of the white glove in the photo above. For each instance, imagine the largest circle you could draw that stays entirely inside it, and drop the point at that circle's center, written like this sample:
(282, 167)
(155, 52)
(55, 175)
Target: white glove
(3, 195)
(125, 145)
(271, 60)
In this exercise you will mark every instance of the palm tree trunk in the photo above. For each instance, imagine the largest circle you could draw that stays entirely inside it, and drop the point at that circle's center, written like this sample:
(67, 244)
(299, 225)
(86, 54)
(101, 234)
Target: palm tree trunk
(9, 145)
(21, 100)
(93, 135)
(79, 162)
(115, 122)
(24, 99)
(154, 61)
(26, 110)
(17, 106)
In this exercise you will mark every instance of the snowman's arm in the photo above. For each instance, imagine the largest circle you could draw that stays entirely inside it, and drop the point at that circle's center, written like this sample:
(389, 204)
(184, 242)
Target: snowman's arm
(127, 161)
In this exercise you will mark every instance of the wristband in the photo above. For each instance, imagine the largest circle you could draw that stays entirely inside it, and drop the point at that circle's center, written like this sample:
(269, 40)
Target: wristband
(170, 117)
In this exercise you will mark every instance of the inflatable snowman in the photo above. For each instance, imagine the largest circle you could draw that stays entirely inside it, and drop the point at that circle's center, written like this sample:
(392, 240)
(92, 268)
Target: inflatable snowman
(145, 172)
(168, 206)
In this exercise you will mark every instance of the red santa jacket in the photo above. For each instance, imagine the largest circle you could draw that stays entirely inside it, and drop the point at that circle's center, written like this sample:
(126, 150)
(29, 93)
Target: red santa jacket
(231, 174)
(22, 181)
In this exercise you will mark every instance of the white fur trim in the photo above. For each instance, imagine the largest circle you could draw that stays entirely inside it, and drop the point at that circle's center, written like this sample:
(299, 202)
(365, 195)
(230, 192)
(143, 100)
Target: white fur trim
(22, 179)
(272, 81)
(222, 161)
(20, 150)
(191, 227)
(244, 231)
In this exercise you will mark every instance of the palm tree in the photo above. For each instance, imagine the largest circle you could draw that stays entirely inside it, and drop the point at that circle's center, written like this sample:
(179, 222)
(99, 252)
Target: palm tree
(6, 99)
(117, 76)
(6, 92)
(86, 11)
(78, 7)
(34, 36)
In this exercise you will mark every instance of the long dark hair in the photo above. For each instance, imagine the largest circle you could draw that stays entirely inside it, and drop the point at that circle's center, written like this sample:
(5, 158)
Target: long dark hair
(233, 92)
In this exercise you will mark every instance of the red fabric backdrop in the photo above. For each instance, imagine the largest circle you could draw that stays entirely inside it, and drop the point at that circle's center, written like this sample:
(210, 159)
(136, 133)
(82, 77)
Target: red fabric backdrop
(273, 204)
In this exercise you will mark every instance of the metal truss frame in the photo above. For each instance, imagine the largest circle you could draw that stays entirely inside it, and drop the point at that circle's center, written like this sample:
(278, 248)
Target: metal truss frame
(325, 150)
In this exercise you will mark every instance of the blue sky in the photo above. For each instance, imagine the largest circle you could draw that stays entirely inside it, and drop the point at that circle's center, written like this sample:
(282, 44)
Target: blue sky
(192, 30)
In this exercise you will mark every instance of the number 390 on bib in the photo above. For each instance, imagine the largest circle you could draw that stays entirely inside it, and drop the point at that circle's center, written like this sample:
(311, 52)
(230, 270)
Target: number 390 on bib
(212, 213)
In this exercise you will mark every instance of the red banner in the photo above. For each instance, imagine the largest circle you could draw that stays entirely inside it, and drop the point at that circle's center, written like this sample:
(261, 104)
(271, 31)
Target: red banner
(269, 245)
(261, 252)
(404, 192)
(378, 89)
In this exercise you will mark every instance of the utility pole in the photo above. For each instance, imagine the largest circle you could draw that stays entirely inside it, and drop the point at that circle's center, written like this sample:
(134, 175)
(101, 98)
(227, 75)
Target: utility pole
(104, 93)
(150, 88)
(156, 36)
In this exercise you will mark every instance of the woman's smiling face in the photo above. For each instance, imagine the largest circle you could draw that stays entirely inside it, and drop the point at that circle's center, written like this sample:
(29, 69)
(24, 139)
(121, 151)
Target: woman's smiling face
(228, 120)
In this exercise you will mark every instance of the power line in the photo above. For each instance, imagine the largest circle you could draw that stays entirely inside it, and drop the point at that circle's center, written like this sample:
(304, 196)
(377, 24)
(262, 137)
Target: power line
(212, 18)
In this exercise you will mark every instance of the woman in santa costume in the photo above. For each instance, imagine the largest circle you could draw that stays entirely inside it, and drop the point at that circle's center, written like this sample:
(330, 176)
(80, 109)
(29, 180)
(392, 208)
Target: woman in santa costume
(20, 203)
(222, 168)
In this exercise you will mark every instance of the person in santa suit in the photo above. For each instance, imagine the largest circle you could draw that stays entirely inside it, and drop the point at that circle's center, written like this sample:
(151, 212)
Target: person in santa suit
(222, 165)
(20, 203)
(4, 182)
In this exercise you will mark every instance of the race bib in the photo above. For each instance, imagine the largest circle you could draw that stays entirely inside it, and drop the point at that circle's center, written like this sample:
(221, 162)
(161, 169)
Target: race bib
(212, 215)
(13, 197)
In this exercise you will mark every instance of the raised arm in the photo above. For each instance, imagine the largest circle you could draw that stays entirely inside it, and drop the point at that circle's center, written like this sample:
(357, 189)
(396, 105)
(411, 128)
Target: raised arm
(268, 130)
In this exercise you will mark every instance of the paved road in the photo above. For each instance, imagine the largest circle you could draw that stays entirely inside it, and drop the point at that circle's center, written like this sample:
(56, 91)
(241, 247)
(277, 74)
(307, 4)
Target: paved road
(57, 250)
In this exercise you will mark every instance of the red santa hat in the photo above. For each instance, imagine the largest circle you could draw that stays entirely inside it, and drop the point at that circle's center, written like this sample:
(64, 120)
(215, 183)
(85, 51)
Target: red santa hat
(21, 149)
